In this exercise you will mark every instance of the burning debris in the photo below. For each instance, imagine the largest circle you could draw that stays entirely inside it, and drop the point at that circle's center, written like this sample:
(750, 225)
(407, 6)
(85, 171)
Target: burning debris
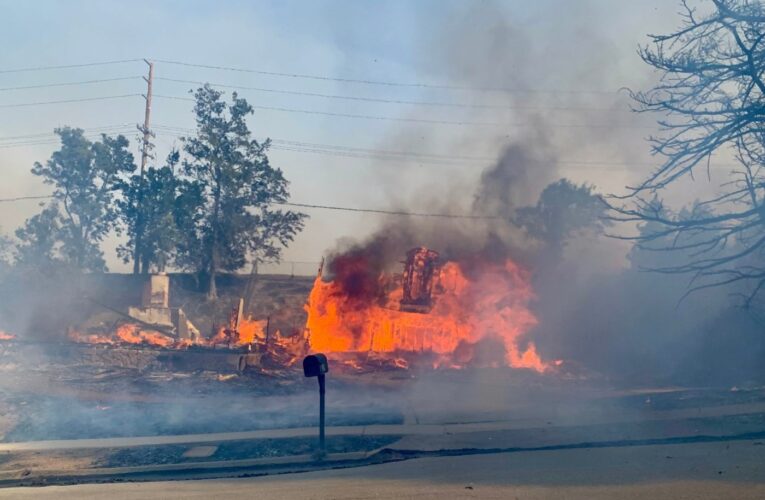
(256, 336)
(243, 342)
(128, 333)
(437, 313)
(453, 315)
(239, 330)
(419, 273)
(155, 323)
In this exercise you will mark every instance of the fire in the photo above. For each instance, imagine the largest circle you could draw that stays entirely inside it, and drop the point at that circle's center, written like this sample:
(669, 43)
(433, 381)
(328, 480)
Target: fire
(250, 334)
(480, 314)
(247, 331)
(132, 334)
(6, 336)
(128, 333)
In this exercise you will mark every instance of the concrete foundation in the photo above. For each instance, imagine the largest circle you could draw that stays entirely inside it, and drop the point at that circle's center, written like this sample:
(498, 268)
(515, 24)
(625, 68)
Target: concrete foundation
(155, 308)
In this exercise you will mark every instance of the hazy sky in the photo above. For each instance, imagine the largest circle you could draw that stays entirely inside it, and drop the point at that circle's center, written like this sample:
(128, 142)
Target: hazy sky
(562, 61)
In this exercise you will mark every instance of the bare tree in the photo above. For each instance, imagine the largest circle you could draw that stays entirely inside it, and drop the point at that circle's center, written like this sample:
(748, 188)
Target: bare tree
(711, 95)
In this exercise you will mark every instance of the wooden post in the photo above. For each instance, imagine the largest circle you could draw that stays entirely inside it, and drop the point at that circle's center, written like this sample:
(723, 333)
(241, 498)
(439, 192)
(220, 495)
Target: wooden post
(144, 160)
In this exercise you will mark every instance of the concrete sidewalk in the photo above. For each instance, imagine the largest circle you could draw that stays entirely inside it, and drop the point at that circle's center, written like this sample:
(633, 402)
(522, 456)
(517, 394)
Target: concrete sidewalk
(408, 429)
(76, 461)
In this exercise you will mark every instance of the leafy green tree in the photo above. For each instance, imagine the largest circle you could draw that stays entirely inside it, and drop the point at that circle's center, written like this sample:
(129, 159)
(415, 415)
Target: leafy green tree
(236, 187)
(152, 201)
(188, 215)
(563, 209)
(85, 176)
(38, 246)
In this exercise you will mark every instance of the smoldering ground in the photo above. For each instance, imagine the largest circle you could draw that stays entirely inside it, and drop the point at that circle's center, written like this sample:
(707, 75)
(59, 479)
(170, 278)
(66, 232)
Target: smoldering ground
(42, 400)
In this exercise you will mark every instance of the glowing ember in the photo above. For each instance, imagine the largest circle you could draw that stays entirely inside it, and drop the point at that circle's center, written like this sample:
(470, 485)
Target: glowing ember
(128, 333)
(480, 316)
(132, 334)
(278, 350)
(247, 332)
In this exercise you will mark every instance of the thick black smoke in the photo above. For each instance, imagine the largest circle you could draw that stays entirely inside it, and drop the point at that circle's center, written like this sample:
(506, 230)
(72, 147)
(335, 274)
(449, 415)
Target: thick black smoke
(595, 307)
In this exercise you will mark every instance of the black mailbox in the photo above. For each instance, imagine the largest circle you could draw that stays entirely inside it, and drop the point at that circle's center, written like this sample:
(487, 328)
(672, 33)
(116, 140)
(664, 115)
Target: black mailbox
(315, 365)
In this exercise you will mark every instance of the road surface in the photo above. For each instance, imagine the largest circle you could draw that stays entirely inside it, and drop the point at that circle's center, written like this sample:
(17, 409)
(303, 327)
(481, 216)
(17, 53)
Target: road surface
(713, 470)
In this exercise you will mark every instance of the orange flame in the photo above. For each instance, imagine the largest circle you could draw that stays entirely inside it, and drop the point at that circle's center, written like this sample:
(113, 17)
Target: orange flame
(488, 304)
(247, 332)
(6, 336)
(129, 333)
(132, 334)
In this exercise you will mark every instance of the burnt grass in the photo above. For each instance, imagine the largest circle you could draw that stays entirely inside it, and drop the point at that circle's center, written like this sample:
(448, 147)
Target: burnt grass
(239, 450)
(52, 418)
(125, 405)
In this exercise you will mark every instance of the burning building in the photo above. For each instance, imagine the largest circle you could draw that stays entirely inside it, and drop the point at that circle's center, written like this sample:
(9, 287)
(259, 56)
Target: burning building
(436, 312)
(240, 343)
(419, 275)
(452, 313)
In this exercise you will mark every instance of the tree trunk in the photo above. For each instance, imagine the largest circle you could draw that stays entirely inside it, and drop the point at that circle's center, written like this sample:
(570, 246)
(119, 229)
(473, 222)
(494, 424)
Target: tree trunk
(145, 263)
(212, 289)
(137, 255)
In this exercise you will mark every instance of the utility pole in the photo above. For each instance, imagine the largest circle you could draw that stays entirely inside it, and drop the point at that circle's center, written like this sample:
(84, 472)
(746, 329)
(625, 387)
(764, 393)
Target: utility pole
(145, 148)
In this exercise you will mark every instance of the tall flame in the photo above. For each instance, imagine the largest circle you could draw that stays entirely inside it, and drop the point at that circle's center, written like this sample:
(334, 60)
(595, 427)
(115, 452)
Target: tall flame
(488, 305)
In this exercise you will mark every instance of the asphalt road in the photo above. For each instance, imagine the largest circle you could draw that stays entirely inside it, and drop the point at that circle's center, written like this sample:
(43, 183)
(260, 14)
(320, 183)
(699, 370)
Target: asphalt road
(700, 471)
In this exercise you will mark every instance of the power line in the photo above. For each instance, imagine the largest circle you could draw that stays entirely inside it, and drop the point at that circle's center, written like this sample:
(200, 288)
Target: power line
(323, 207)
(464, 161)
(89, 129)
(40, 143)
(50, 138)
(67, 84)
(413, 154)
(298, 146)
(380, 100)
(67, 66)
(380, 151)
(47, 134)
(312, 147)
(386, 212)
(380, 82)
(412, 120)
(84, 99)
(384, 154)
(333, 149)
(374, 156)
(21, 198)
(350, 115)
(312, 77)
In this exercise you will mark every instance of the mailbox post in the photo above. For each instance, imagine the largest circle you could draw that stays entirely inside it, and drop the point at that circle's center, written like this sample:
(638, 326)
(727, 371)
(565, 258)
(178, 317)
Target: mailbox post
(316, 365)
